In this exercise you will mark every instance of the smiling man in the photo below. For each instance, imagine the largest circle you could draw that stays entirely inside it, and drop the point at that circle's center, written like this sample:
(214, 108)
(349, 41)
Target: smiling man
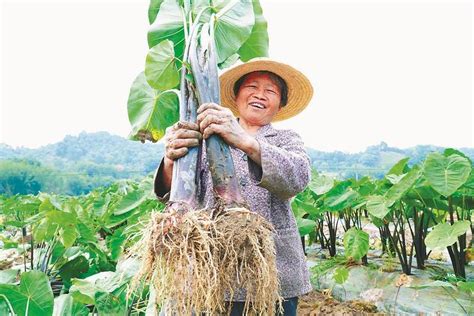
(271, 165)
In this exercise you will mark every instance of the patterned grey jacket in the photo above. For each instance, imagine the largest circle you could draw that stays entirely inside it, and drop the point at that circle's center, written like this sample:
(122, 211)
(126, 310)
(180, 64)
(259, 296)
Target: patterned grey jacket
(285, 172)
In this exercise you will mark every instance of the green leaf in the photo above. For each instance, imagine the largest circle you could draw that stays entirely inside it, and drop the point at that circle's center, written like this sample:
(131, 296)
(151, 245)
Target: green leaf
(446, 174)
(86, 233)
(40, 231)
(130, 201)
(356, 243)
(32, 297)
(161, 71)
(337, 202)
(341, 274)
(451, 151)
(8, 276)
(305, 226)
(399, 168)
(397, 191)
(83, 291)
(257, 44)
(66, 305)
(115, 243)
(74, 268)
(466, 286)
(229, 61)
(149, 110)
(445, 234)
(168, 25)
(109, 304)
(153, 10)
(320, 184)
(377, 205)
(233, 26)
(68, 235)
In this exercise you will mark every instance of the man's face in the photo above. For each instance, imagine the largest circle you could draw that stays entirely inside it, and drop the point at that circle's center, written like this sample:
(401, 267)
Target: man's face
(258, 99)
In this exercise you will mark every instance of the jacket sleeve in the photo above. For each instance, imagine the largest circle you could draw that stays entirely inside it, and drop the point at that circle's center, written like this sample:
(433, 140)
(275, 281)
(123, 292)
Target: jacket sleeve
(286, 167)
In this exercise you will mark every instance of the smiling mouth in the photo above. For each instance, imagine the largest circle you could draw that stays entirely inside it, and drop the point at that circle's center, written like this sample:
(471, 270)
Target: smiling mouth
(257, 105)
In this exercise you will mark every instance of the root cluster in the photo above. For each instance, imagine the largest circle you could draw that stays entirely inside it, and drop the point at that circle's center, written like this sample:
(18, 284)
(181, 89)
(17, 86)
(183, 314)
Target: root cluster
(200, 259)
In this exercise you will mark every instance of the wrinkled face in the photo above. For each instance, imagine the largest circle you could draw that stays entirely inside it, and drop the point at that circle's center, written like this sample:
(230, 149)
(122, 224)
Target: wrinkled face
(258, 99)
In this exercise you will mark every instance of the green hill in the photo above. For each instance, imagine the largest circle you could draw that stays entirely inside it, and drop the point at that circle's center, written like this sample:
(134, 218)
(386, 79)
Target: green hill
(81, 163)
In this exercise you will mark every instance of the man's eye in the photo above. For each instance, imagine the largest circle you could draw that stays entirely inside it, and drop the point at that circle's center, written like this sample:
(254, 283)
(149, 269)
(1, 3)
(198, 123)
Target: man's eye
(251, 86)
(271, 91)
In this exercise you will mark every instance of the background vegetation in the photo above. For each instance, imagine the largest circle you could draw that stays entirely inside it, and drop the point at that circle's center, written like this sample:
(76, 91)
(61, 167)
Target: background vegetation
(79, 164)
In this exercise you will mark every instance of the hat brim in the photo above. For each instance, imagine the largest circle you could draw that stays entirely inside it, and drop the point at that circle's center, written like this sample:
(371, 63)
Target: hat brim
(300, 90)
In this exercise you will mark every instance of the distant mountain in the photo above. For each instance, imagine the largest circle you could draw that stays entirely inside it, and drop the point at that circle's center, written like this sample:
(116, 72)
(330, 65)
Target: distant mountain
(88, 150)
(93, 159)
(375, 161)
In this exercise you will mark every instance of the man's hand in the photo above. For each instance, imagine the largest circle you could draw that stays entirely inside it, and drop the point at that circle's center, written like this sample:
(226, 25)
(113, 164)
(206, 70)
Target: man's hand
(179, 138)
(215, 119)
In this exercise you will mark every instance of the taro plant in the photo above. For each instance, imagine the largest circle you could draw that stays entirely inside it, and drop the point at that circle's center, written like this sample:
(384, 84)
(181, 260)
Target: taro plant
(391, 208)
(447, 173)
(189, 41)
(74, 240)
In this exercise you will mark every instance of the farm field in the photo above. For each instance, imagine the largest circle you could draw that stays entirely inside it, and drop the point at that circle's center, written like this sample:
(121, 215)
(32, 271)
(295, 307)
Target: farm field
(399, 244)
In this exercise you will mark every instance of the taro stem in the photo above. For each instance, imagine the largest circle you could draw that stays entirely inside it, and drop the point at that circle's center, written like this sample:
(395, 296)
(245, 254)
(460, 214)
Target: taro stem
(204, 66)
(186, 170)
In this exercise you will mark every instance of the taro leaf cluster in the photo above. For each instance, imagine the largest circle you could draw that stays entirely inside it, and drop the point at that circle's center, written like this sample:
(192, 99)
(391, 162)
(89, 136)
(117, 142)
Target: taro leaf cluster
(72, 241)
(240, 32)
(430, 204)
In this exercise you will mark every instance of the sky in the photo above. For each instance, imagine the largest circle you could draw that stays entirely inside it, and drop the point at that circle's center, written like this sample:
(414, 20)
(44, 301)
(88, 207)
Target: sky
(392, 71)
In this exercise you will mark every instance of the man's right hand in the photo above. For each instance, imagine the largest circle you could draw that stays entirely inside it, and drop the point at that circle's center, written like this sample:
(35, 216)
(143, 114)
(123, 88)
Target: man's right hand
(179, 138)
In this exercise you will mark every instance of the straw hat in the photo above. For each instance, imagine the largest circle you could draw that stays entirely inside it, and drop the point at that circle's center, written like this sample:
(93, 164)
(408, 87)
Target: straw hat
(300, 90)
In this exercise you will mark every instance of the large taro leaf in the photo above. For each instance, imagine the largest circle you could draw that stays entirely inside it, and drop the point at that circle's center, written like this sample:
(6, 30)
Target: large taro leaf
(446, 174)
(302, 204)
(365, 186)
(74, 268)
(161, 71)
(451, 151)
(168, 25)
(377, 206)
(32, 297)
(65, 305)
(131, 201)
(341, 274)
(57, 221)
(257, 44)
(320, 184)
(445, 234)
(153, 10)
(305, 226)
(397, 191)
(356, 243)
(149, 110)
(336, 201)
(233, 26)
(399, 168)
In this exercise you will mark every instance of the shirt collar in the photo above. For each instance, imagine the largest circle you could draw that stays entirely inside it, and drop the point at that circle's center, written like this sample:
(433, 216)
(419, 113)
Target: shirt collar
(266, 131)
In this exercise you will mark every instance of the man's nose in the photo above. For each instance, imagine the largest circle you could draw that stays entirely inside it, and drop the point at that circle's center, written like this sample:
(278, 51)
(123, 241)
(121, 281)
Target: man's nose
(259, 93)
